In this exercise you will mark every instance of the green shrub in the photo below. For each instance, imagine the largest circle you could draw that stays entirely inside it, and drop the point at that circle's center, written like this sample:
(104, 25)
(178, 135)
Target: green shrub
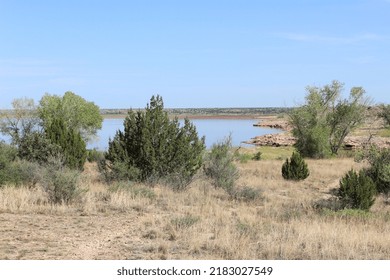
(257, 156)
(295, 169)
(356, 191)
(219, 166)
(154, 146)
(379, 169)
(23, 173)
(8, 154)
(61, 184)
(36, 147)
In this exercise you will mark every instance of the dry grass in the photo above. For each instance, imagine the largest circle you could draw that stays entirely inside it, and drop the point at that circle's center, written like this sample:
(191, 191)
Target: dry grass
(201, 223)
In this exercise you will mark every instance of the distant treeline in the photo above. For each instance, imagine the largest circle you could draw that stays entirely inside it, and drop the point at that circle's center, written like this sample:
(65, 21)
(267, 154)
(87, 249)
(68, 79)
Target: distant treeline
(211, 111)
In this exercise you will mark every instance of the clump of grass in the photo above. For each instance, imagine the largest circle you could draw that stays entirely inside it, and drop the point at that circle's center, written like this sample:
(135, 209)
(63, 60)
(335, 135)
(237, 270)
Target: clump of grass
(185, 222)
(133, 189)
(243, 228)
(348, 213)
(247, 194)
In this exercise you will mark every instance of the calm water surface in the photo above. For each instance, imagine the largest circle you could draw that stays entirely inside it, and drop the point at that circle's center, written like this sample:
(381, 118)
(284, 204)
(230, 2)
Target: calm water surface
(213, 129)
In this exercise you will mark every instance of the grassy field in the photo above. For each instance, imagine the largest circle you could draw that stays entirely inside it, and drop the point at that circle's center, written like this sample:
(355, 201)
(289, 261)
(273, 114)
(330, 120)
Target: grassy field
(200, 223)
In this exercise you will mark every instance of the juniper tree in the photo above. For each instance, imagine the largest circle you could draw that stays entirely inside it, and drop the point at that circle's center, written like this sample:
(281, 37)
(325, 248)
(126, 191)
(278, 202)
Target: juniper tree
(73, 147)
(295, 169)
(152, 146)
(357, 191)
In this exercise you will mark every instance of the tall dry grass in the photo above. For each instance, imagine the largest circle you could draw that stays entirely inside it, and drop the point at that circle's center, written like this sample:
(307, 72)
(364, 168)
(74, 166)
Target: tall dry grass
(200, 223)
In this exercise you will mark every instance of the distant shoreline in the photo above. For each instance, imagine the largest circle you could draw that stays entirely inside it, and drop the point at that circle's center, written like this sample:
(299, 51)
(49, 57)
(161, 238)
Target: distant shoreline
(195, 117)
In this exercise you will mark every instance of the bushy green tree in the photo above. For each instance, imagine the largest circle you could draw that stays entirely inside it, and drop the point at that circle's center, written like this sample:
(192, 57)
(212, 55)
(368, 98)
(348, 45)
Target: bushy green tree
(57, 127)
(76, 113)
(73, 147)
(296, 168)
(152, 146)
(219, 166)
(322, 124)
(357, 191)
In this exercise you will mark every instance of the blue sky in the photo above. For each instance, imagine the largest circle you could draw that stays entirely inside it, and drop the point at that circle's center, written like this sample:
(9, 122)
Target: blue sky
(193, 53)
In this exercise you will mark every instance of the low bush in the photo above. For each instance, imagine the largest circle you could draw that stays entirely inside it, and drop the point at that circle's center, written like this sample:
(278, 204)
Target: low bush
(257, 156)
(219, 166)
(61, 184)
(295, 169)
(356, 191)
(7, 156)
(379, 169)
(24, 173)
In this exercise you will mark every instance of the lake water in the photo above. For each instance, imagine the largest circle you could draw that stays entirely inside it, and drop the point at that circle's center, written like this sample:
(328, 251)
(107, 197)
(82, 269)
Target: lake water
(213, 129)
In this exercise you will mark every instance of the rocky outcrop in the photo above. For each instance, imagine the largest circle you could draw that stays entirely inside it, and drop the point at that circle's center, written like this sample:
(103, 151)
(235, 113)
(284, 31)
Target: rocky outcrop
(357, 142)
(286, 139)
(274, 123)
(350, 143)
(275, 140)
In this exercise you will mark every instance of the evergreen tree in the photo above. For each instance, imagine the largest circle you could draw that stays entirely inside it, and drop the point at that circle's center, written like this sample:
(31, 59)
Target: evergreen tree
(357, 191)
(295, 169)
(152, 146)
(73, 147)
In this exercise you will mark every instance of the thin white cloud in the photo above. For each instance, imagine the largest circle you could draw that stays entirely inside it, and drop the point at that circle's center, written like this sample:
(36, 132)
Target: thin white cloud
(300, 37)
